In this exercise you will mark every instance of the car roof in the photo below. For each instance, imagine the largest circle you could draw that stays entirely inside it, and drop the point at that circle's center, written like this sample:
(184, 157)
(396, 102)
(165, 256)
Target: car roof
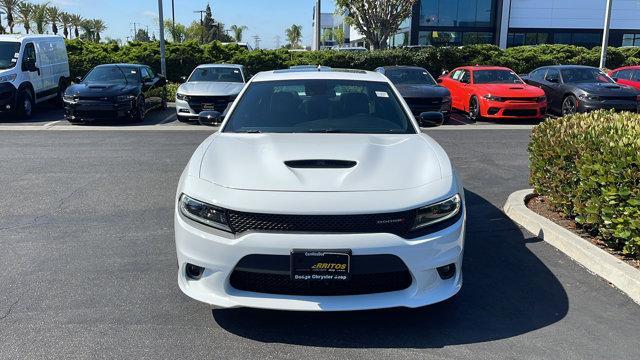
(220, 65)
(484, 67)
(20, 37)
(631, 67)
(569, 67)
(123, 64)
(322, 73)
(400, 67)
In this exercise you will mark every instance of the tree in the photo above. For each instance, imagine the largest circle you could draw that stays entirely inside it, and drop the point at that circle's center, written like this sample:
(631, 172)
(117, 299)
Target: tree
(294, 35)
(98, 27)
(76, 21)
(338, 34)
(327, 35)
(9, 7)
(377, 20)
(142, 35)
(237, 32)
(24, 11)
(53, 14)
(194, 32)
(87, 30)
(176, 31)
(40, 17)
(208, 23)
(65, 18)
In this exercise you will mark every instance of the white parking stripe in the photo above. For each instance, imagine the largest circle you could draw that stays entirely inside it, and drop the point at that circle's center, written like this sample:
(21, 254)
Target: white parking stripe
(50, 124)
(167, 119)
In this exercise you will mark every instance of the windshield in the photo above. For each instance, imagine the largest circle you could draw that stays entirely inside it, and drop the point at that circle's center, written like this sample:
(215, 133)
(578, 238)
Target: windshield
(322, 106)
(110, 75)
(584, 75)
(217, 74)
(495, 77)
(8, 54)
(409, 76)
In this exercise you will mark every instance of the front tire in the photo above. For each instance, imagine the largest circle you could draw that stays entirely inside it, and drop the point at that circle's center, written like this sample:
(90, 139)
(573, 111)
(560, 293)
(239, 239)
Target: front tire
(139, 110)
(474, 109)
(24, 105)
(62, 87)
(569, 105)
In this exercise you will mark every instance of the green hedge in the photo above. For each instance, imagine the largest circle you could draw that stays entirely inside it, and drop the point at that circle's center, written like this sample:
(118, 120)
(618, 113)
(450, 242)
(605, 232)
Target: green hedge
(183, 57)
(588, 165)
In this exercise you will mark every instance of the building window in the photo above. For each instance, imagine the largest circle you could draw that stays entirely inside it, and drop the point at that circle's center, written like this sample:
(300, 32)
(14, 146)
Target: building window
(399, 39)
(631, 40)
(532, 38)
(449, 38)
(588, 40)
(470, 13)
(470, 38)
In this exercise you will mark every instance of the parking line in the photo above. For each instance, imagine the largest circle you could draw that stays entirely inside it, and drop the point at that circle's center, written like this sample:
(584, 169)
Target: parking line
(50, 124)
(166, 120)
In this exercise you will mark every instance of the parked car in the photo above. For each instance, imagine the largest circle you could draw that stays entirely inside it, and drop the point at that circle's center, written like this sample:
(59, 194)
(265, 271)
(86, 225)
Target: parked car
(115, 91)
(33, 69)
(209, 87)
(493, 92)
(575, 88)
(419, 89)
(628, 75)
(320, 193)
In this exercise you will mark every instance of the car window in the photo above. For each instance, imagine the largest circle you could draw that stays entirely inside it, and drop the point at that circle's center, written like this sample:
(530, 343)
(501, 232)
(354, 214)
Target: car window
(635, 75)
(552, 74)
(145, 74)
(132, 73)
(304, 106)
(29, 54)
(217, 74)
(465, 76)
(623, 74)
(456, 74)
(498, 76)
(9, 54)
(584, 75)
(150, 72)
(105, 75)
(538, 75)
(409, 76)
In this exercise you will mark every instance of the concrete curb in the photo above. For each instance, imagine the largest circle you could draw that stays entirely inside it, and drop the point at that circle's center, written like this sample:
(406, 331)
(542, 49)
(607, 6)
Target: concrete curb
(617, 272)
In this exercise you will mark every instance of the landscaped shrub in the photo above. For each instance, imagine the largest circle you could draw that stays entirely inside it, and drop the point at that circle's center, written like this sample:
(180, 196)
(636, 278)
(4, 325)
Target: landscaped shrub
(182, 58)
(588, 165)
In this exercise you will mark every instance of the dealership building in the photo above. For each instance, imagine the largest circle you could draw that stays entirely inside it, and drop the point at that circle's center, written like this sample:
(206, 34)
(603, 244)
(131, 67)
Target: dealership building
(518, 22)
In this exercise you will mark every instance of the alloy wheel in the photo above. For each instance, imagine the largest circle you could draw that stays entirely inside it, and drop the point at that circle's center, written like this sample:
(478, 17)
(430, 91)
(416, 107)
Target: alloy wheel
(569, 106)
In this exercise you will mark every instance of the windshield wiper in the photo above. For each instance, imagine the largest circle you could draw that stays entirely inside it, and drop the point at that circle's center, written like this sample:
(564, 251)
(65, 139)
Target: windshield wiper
(324, 131)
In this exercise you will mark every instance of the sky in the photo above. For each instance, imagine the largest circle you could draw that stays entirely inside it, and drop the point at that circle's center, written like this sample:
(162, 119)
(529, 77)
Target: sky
(265, 18)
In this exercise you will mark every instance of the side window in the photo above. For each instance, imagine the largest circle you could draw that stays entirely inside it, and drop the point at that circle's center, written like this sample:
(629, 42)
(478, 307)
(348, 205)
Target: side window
(553, 75)
(456, 74)
(145, 74)
(466, 77)
(29, 54)
(150, 72)
(623, 74)
(636, 75)
(538, 75)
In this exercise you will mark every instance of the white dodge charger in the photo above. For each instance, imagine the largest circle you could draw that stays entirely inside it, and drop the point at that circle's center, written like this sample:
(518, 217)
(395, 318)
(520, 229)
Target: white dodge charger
(319, 192)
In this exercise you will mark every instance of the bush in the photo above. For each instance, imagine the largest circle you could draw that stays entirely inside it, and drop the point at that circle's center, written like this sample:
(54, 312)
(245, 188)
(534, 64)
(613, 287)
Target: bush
(182, 58)
(588, 165)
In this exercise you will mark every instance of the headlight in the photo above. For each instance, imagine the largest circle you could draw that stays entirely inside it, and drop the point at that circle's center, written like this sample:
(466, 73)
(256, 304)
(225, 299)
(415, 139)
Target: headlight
(123, 98)
(590, 97)
(203, 213)
(446, 99)
(181, 96)
(493, 98)
(69, 98)
(438, 212)
(8, 78)
(542, 99)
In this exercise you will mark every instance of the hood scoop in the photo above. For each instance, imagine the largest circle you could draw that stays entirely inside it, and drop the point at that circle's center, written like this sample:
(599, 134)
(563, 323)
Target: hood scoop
(320, 164)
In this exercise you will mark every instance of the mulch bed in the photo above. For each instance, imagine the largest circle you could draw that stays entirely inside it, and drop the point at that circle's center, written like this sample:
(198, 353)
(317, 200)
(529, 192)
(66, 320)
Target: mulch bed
(540, 205)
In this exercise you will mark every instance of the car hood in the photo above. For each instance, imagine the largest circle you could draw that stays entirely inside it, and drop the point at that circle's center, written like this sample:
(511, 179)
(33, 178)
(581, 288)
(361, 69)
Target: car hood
(210, 88)
(606, 89)
(510, 90)
(413, 91)
(382, 162)
(94, 89)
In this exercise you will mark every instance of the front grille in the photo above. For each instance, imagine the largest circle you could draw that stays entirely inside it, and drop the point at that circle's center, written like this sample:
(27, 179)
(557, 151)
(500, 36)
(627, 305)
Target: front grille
(520, 112)
(521, 99)
(370, 274)
(619, 98)
(398, 223)
(95, 114)
(217, 103)
(420, 105)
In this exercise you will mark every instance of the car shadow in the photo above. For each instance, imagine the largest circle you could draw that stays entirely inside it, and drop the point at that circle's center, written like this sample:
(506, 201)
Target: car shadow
(507, 292)
(153, 117)
(42, 113)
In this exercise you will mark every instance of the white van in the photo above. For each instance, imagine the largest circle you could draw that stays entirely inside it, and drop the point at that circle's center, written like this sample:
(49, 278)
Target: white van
(33, 69)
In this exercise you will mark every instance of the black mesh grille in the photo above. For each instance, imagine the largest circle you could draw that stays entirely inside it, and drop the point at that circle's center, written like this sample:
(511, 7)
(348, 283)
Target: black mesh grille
(283, 284)
(398, 223)
(219, 103)
(520, 112)
(420, 105)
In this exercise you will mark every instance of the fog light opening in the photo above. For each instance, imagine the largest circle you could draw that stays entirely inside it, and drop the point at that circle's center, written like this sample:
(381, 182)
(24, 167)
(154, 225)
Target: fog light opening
(447, 271)
(193, 271)
(493, 110)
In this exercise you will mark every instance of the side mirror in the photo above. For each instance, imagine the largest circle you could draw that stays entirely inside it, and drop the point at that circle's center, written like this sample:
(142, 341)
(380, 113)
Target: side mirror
(431, 119)
(439, 80)
(77, 80)
(162, 80)
(210, 118)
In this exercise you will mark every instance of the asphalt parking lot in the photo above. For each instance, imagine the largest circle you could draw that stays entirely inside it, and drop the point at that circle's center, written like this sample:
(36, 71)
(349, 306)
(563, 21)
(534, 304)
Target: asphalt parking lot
(49, 116)
(86, 244)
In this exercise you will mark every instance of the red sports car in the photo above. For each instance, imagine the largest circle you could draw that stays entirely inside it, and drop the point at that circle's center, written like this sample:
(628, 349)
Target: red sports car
(628, 75)
(493, 92)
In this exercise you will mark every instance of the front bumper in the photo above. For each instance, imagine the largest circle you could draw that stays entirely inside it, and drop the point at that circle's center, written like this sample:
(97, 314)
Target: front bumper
(7, 96)
(512, 110)
(184, 111)
(617, 105)
(94, 110)
(219, 253)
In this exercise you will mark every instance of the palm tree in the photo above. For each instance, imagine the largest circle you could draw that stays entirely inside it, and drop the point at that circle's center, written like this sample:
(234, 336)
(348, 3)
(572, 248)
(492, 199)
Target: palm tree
(76, 21)
(87, 29)
(237, 31)
(66, 22)
(40, 17)
(294, 34)
(23, 15)
(98, 27)
(9, 7)
(53, 14)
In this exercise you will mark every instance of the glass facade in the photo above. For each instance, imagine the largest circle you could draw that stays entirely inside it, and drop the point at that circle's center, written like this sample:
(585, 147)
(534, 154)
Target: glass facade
(586, 39)
(631, 40)
(454, 38)
(463, 13)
